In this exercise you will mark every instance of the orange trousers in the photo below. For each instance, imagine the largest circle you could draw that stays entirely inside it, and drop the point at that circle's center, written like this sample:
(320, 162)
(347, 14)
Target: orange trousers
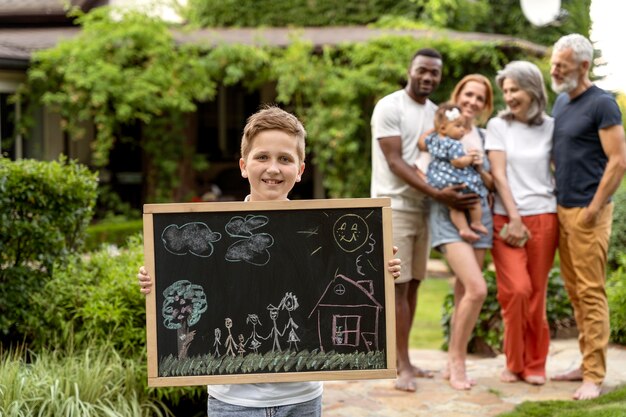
(583, 253)
(522, 281)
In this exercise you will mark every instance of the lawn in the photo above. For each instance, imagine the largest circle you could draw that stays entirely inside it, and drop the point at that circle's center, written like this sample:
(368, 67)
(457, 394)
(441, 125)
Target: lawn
(612, 404)
(427, 332)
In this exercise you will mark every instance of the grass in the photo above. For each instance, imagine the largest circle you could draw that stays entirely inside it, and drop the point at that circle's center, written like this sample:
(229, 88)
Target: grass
(612, 404)
(94, 383)
(427, 332)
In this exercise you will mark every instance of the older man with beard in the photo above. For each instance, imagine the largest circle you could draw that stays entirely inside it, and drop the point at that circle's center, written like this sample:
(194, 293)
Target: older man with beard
(590, 160)
(398, 120)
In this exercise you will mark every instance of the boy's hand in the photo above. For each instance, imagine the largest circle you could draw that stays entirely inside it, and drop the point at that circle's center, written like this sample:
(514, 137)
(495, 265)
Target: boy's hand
(395, 264)
(145, 282)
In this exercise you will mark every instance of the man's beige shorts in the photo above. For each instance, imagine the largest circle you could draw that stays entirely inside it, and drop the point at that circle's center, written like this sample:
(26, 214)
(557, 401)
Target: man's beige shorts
(411, 236)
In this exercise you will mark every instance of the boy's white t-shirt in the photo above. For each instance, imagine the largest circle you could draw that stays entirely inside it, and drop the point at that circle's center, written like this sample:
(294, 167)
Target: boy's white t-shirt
(528, 149)
(266, 395)
(397, 114)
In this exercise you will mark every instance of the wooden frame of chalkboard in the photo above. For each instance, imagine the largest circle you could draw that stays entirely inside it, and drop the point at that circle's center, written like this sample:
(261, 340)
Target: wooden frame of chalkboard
(275, 291)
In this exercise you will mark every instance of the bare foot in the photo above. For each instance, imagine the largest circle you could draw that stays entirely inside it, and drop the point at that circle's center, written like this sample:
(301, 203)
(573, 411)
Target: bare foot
(588, 391)
(445, 374)
(480, 228)
(406, 382)
(458, 377)
(535, 379)
(468, 235)
(573, 375)
(422, 373)
(508, 376)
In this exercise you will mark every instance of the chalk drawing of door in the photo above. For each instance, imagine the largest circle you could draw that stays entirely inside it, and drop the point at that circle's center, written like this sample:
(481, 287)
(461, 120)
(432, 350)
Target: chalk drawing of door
(369, 339)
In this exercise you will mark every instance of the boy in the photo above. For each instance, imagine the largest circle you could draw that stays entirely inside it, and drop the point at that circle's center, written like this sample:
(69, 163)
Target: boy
(272, 160)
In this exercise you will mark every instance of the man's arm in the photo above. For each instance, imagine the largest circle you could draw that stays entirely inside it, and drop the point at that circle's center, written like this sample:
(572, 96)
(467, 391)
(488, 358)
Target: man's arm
(451, 196)
(614, 146)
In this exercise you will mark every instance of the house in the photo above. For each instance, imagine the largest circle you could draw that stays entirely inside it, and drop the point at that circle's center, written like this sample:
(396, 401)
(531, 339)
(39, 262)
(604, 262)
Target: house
(27, 26)
(348, 316)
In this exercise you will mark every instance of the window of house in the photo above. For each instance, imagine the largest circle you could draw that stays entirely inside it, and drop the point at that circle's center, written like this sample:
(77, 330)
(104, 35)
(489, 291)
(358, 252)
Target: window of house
(346, 330)
(7, 126)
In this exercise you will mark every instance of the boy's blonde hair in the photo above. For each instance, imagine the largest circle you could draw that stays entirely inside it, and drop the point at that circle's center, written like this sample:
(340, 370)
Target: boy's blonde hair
(441, 118)
(273, 118)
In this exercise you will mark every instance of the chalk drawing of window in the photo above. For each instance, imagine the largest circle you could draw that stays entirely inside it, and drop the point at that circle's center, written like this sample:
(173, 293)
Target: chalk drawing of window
(346, 330)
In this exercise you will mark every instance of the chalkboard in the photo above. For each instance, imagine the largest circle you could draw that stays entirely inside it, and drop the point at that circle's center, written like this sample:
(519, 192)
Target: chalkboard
(270, 291)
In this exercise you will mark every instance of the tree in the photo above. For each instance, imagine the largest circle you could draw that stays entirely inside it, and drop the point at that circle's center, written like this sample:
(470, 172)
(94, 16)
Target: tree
(182, 308)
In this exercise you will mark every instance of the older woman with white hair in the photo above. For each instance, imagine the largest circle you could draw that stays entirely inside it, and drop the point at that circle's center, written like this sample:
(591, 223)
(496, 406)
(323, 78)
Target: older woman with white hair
(519, 141)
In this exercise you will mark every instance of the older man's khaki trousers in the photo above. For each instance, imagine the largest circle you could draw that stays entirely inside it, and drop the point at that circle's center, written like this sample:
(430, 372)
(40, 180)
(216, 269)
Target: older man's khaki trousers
(583, 254)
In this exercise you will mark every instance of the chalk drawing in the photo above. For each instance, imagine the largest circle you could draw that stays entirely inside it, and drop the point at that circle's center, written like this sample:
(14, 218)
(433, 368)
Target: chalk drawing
(195, 238)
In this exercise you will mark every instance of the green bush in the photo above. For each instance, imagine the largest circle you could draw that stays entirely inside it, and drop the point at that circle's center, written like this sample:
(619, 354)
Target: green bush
(96, 382)
(616, 293)
(93, 298)
(44, 210)
(489, 331)
(94, 301)
(253, 13)
(617, 243)
(111, 231)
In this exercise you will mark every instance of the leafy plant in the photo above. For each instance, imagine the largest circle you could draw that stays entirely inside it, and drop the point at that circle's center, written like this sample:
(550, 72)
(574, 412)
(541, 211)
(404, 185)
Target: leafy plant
(44, 210)
(96, 382)
(616, 293)
(489, 331)
(92, 299)
(489, 16)
(617, 242)
(112, 231)
(293, 12)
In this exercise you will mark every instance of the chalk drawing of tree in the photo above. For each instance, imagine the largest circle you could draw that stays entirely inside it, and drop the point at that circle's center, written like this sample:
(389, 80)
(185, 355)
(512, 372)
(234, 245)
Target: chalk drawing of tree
(183, 305)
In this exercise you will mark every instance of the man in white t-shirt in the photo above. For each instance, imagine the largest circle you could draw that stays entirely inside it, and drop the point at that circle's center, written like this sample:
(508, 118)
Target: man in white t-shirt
(397, 122)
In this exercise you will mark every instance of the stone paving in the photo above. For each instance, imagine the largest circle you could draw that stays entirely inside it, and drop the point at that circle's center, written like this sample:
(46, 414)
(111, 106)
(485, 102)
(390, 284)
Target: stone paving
(490, 397)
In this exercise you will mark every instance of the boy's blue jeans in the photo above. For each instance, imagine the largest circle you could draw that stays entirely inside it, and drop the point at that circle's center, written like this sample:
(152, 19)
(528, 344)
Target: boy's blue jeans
(312, 408)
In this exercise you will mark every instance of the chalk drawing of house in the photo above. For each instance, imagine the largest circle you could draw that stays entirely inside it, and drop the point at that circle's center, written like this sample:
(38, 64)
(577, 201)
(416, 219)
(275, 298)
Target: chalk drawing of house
(348, 316)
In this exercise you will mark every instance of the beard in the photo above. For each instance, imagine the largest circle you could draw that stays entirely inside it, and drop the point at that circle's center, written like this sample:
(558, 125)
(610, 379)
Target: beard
(567, 85)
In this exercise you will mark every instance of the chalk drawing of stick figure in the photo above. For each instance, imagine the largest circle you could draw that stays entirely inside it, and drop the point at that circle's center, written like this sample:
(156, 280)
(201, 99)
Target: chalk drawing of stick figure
(253, 339)
(241, 346)
(274, 333)
(290, 303)
(217, 343)
(230, 342)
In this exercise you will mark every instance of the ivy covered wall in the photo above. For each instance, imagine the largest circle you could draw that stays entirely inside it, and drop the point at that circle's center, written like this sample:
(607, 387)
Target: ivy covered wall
(124, 71)
(488, 16)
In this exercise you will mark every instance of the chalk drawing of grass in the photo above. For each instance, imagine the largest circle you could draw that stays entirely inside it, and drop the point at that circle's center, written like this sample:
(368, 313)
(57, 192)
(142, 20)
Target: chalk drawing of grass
(271, 362)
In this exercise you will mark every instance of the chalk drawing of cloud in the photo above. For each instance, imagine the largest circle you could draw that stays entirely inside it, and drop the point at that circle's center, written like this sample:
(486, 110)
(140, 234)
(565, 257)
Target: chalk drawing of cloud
(195, 238)
(252, 250)
(240, 227)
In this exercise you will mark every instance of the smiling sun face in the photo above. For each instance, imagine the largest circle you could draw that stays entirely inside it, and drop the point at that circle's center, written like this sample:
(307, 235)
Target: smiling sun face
(350, 232)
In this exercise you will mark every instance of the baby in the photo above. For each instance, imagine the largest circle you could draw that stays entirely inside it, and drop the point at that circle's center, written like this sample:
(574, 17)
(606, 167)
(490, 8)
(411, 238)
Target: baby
(450, 165)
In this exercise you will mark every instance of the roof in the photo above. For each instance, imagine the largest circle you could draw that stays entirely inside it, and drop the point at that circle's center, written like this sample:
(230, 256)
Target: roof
(358, 296)
(19, 43)
(45, 12)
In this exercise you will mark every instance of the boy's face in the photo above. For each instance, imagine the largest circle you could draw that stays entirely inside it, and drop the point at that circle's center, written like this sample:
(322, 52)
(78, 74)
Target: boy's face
(272, 166)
